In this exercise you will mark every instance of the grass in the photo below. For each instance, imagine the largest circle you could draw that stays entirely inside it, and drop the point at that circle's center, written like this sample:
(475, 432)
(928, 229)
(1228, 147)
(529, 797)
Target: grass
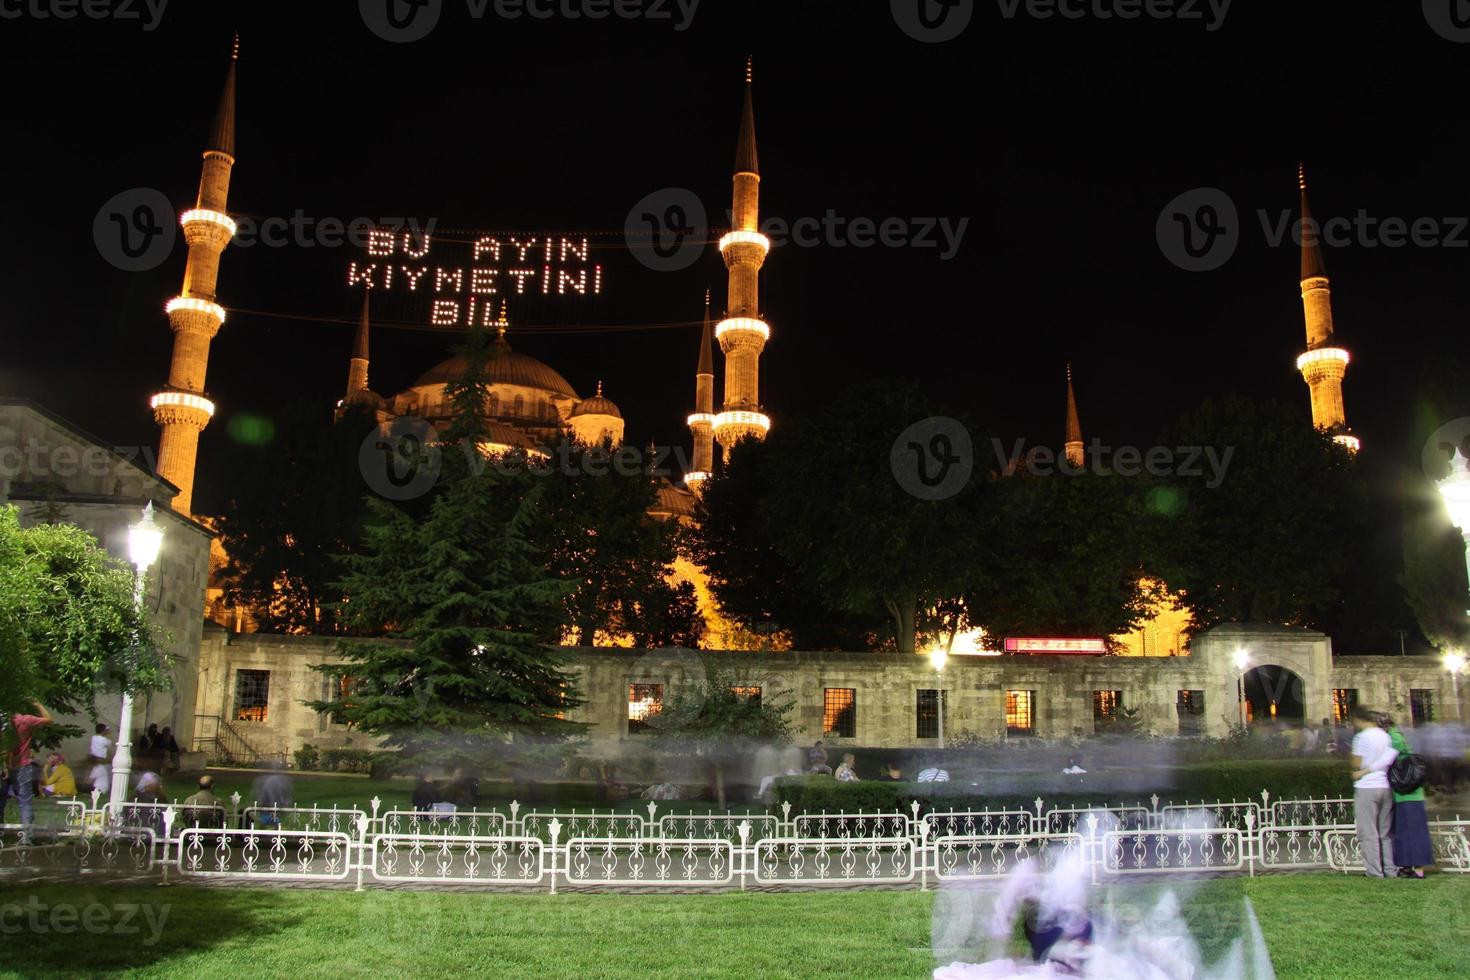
(1316, 926)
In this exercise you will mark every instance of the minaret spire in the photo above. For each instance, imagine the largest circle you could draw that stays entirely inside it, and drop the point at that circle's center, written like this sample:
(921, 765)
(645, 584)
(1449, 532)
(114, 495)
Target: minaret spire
(742, 333)
(1073, 447)
(357, 365)
(701, 423)
(1324, 364)
(181, 408)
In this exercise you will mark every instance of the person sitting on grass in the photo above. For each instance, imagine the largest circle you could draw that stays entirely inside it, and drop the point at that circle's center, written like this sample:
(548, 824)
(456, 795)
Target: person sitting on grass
(57, 778)
(892, 774)
(846, 773)
(816, 760)
(204, 809)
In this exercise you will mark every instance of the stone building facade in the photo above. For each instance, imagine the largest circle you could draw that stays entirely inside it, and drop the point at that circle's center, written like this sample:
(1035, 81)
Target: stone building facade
(51, 470)
(873, 700)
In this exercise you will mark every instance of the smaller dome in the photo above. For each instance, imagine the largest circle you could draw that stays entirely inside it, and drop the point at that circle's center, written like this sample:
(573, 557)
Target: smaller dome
(365, 397)
(597, 405)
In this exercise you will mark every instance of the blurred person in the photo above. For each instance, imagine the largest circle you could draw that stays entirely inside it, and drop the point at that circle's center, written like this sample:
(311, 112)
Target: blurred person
(1311, 740)
(1413, 851)
(892, 773)
(1372, 754)
(847, 773)
(425, 794)
(168, 747)
(1327, 737)
(816, 760)
(272, 791)
(202, 808)
(22, 769)
(57, 778)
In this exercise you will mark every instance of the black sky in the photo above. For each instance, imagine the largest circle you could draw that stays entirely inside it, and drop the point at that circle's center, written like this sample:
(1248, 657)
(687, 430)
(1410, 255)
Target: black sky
(1058, 140)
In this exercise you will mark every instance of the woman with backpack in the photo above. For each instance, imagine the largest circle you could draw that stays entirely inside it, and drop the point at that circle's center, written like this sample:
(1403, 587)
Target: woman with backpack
(1413, 851)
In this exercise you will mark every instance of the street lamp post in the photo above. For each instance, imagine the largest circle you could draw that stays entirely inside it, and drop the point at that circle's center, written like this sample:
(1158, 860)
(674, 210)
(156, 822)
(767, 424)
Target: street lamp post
(937, 658)
(1242, 660)
(1455, 489)
(1454, 662)
(145, 538)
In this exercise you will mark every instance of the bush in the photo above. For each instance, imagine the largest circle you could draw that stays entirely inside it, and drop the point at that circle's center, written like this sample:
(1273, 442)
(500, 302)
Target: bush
(347, 760)
(307, 757)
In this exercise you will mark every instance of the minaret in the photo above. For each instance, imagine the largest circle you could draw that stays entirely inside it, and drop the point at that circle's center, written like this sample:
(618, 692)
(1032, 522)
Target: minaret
(743, 334)
(701, 423)
(181, 408)
(1072, 448)
(357, 366)
(1324, 363)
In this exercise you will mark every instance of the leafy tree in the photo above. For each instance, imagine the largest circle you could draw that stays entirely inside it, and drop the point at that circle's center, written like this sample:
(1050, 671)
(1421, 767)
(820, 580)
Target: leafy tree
(757, 585)
(616, 558)
(1271, 542)
(849, 527)
(721, 720)
(69, 626)
(296, 503)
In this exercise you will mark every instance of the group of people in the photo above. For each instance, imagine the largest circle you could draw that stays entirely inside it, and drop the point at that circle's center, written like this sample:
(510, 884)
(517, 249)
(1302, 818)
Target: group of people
(1392, 822)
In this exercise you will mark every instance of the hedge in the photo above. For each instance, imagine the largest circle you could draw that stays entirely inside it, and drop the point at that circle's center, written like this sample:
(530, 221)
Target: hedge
(1240, 780)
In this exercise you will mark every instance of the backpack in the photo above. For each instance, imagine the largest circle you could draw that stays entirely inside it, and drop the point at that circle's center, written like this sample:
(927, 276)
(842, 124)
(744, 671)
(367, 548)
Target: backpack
(1408, 772)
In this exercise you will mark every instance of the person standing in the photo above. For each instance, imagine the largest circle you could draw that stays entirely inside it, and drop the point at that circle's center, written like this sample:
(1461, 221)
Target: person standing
(99, 753)
(1413, 851)
(1372, 754)
(22, 769)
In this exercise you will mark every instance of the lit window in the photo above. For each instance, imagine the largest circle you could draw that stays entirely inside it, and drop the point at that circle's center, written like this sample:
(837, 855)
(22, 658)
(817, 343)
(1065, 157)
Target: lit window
(839, 712)
(1191, 708)
(1105, 708)
(1020, 718)
(344, 686)
(745, 692)
(926, 713)
(252, 694)
(1421, 706)
(644, 701)
(1344, 700)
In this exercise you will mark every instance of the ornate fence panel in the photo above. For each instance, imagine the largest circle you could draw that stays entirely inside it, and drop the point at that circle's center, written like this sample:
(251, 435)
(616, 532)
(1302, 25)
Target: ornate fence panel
(640, 861)
(1451, 845)
(462, 859)
(1241, 816)
(842, 825)
(1073, 819)
(273, 854)
(463, 823)
(74, 850)
(976, 823)
(850, 860)
(970, 857)
(1328, 812)
(573, 824)
(1283, 848)
(1154, 851)
(725, 826)
(333, 819)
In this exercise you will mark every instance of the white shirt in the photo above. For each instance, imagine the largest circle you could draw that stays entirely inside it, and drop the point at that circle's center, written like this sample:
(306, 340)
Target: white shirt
(1373, 746)
(101, 747)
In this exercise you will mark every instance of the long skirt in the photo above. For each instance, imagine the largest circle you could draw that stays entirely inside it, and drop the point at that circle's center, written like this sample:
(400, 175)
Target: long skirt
(1411, 845)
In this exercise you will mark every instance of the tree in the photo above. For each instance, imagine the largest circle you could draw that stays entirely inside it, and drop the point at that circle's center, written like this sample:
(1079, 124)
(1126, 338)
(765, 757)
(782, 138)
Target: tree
(1068, 552)
(723, 718)
(69, 626)
(846, 524)
(617, 560)
(296, 503)
(465, 592)
(1270, 543)
(756, 584)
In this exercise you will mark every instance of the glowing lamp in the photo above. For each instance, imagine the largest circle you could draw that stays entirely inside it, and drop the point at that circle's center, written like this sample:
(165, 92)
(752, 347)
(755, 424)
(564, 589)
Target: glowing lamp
(938, 657)
(1351, 443)
(1242, 658)
(1454, 661)
(1455, 489)
(145, 538)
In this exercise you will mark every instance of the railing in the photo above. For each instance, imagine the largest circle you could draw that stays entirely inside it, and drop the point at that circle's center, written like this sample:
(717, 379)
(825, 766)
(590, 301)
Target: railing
(222, 742)
(646, 849)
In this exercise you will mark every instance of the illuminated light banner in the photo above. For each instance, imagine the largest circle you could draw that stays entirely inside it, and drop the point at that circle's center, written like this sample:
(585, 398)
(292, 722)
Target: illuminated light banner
(461, 283)
(1056, 644)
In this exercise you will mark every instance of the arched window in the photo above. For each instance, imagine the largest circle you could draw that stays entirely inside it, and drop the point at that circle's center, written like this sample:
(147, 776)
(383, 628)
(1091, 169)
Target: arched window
(494, 403)
(520, 406)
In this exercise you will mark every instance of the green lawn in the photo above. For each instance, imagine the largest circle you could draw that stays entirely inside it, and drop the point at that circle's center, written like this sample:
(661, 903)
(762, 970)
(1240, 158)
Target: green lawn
(1317, 926)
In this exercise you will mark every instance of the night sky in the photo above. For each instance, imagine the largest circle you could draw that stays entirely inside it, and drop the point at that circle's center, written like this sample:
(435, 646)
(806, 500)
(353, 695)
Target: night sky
(1059, 141)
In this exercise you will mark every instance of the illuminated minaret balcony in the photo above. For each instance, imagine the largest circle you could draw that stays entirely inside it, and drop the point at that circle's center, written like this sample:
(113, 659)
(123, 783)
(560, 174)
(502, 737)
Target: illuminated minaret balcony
(203, 226)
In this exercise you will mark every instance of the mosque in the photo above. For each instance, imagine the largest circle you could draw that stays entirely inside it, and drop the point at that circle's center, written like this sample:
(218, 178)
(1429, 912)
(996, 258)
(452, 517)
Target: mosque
(239, 696)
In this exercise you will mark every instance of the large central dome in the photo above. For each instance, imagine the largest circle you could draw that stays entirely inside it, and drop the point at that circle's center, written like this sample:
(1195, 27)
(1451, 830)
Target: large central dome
(508, 367)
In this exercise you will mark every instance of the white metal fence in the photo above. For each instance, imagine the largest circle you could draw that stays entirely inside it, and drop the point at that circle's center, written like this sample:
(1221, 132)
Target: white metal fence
(648, 849)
